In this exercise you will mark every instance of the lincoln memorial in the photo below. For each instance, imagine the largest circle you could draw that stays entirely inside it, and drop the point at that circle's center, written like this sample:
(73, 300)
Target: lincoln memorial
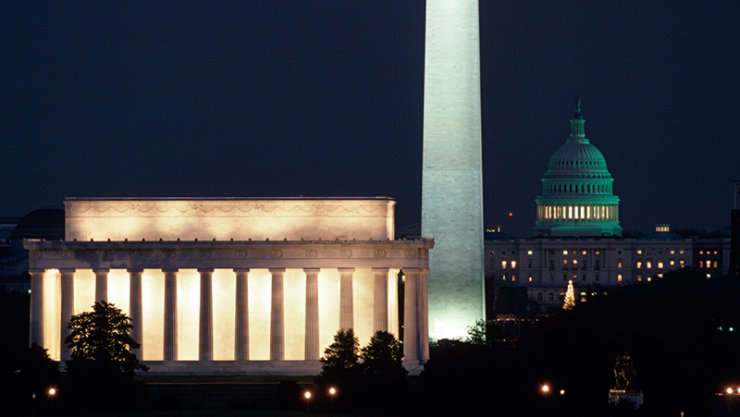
(234, 285)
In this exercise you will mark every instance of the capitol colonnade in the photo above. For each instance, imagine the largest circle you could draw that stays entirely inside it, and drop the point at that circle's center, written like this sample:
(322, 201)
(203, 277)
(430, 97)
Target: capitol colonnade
(235, 306)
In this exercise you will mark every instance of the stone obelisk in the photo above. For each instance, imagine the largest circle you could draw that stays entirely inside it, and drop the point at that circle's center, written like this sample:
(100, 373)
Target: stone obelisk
(452, 176)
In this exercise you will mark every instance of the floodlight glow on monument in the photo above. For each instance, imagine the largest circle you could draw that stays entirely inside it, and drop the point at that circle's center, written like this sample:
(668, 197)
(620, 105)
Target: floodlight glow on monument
(255, 285)
(452, 184)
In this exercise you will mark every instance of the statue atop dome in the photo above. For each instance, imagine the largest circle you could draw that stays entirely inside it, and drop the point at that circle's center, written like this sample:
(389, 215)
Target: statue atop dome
(578, 114)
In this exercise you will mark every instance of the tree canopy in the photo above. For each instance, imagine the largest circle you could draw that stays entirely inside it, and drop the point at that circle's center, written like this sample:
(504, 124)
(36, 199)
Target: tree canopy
(382, 357)
(104, 336)
(342, 356)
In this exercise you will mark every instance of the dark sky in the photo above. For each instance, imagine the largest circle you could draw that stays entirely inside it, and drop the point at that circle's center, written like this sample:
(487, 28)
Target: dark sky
(324, 98)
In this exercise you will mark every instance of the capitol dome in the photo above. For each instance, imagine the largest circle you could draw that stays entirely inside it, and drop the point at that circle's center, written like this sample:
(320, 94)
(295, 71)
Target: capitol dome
(577, 197)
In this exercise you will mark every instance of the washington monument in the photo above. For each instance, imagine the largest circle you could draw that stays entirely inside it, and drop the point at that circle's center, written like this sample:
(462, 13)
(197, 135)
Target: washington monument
(452, 176)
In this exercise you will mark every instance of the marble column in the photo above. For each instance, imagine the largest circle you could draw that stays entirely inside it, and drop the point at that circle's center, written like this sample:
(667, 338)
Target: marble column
(68, 303)
(205, 352)
(380, 299)
(346, 318)
(101, 285)
(36, 333)
(135, 307)
(410, 315)
(277, 325)
(312, 314)
(423, 308)
(170, 314)
(241, 348)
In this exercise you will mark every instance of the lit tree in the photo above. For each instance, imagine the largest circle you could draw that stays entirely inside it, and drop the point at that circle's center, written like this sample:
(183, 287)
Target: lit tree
(570, 297)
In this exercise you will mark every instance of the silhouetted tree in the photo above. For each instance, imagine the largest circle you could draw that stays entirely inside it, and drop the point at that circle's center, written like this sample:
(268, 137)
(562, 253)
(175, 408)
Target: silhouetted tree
(341, 357)
(481, 333)
(104, 336)
(383, 374)
(103, 363)
(382, 357)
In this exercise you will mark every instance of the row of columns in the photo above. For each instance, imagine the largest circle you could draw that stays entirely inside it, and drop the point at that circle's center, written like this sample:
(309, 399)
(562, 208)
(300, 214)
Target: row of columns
(414, 296)
(577, 212)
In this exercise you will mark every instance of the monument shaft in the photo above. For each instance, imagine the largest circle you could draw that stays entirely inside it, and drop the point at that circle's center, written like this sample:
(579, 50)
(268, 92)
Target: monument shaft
(452, 184)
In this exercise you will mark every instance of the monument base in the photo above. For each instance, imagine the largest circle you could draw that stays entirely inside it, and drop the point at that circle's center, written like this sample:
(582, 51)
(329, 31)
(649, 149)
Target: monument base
(620, 395)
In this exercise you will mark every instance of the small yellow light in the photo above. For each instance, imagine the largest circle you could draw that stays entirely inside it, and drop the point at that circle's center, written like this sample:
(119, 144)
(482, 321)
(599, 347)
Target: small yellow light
(307, 394)
(729, 390)
(562, 392)
(545, 388)
(52, 391)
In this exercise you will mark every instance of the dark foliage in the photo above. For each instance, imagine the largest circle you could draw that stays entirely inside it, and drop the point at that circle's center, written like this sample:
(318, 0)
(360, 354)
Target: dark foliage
(103, 364)
(362, 376)
(340, 368)
(675, 328)
(24, 371)
(382, 358)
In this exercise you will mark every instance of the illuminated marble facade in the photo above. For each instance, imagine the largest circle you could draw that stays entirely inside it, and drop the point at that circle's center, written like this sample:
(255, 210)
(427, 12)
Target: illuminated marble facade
(452, 174)
(234, 285)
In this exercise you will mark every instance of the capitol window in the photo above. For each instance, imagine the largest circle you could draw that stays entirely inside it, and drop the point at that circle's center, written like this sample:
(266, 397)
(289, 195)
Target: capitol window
(639, 264)
(529, 252)
(619, 278)
(513, 264)
(660, 264)
(503, 264)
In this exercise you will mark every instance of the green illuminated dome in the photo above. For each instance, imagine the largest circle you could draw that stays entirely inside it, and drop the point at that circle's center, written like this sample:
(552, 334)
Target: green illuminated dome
(577, 198)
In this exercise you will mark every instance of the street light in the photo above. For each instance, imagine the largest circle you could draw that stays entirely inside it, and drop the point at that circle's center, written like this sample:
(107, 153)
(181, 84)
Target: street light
(332, 394)
(307, 396)
(51, 393)
(545, 388)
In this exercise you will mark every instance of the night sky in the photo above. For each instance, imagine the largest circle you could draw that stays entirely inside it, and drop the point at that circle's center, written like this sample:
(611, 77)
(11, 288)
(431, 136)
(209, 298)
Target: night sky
(324, 98)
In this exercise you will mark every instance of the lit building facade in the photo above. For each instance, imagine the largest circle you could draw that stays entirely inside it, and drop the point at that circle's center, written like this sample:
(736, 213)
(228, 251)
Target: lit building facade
(234, 285)
(577, 197)
(578, 238)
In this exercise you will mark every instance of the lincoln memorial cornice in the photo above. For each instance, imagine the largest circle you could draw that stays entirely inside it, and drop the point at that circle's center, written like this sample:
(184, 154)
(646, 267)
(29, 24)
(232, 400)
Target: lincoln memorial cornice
(228, 254)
